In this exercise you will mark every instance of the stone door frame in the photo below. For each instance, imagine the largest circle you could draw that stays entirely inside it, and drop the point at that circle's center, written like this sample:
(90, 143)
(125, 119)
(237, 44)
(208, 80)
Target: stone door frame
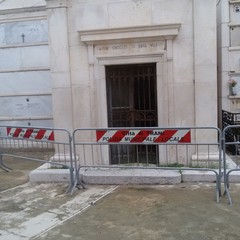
(131, 45)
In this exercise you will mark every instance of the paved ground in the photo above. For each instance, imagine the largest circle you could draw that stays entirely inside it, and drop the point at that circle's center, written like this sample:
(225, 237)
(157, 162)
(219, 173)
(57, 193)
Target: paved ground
(180, 212)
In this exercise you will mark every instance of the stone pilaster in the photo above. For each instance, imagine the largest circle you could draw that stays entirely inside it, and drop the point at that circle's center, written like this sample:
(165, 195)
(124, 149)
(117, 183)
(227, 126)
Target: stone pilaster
(57, 11)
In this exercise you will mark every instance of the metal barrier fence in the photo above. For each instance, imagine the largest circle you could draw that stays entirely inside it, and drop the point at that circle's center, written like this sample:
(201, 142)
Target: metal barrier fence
(231, 147)
(45, 145)
(171, 148)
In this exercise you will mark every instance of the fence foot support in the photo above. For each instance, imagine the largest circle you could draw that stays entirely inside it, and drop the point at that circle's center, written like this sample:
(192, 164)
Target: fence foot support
(228, 196)
(77, 185)
(3, 166)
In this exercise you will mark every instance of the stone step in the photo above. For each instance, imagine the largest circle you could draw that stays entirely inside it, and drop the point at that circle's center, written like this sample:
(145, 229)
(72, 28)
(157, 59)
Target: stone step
(129, 176)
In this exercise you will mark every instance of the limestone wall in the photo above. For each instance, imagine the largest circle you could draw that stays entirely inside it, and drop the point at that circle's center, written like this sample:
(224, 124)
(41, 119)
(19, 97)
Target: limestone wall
(186, 66)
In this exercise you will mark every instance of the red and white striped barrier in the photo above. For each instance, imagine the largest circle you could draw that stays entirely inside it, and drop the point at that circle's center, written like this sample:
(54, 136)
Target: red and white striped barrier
(30, 133)
(144, 136)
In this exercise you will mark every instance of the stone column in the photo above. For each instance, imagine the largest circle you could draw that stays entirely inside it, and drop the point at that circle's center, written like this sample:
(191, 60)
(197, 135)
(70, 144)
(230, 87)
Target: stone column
(60, 63)
(205, 75)
(205, 65)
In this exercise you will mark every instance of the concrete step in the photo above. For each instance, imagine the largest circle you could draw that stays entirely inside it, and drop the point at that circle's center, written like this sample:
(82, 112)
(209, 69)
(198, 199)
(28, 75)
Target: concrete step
(129, 176)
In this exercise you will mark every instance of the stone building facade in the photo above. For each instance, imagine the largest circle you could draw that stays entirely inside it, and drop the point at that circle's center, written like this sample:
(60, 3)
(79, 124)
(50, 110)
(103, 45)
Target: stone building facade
(26, 90)
(113, 63)
(228, 20)
(87, 38)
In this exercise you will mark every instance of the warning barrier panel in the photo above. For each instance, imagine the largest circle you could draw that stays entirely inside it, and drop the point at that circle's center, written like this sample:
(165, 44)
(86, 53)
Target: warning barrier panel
(37, 144)
(30, 133)
(144, 136)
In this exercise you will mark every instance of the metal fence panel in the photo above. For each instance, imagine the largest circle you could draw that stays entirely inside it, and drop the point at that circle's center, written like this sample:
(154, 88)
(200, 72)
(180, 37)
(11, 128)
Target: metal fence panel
(175, 148)
(231, 148)
(46, 145)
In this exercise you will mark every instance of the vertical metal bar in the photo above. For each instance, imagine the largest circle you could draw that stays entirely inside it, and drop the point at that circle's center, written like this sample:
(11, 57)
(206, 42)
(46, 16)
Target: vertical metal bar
(176, 147)
(208, 156)
(167, 154)
(93, 162)
(118, 154)
(197, 155)
(64, 152)
(84, 154)
(149, 89)
(147, 152)
(101, 154)
(137, 155)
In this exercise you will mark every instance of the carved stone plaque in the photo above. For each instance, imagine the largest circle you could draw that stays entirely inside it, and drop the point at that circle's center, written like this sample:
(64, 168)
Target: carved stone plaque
(130, 48)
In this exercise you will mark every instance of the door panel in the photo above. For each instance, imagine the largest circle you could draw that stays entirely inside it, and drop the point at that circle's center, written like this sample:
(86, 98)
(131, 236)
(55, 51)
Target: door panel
(132, 102)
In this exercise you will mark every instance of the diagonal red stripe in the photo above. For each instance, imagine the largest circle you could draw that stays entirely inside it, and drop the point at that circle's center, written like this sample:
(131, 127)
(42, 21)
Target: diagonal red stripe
(99, 134)
(51, 137)
(40, 134)
(118, 136)
(167, 134)
(141, 136)
(186, 138)
(28, 133)
(17, 132)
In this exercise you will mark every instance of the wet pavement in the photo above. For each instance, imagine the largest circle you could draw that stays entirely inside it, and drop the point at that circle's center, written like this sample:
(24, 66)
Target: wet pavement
(182, 212)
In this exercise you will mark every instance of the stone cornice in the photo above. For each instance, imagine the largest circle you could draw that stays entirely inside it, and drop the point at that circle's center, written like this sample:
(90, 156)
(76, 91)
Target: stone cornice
(23, 10)
(165, 31)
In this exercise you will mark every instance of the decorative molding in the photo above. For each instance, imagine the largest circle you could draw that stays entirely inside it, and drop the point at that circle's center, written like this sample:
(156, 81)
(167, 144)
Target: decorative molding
(25, 70)
(103, 58)
(234, 1)
(24, 45)
(23, 10)
(157, 32)
(26, 94)
(26, 118)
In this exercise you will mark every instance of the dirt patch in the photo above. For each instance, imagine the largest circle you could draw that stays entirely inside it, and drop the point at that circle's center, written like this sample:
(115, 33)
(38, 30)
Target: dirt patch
(20, 171)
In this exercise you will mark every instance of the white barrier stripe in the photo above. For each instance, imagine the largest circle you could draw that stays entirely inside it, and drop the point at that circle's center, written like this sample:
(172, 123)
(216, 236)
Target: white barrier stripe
(12, 131)
(22, 133)
(107, 135)
(33, 135)
(47, 134)
(153, 135)
(130, 136)
(178, 136)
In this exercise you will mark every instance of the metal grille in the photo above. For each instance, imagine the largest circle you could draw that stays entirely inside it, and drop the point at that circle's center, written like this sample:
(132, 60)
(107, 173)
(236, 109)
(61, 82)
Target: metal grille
(132, 102)
(232, 134)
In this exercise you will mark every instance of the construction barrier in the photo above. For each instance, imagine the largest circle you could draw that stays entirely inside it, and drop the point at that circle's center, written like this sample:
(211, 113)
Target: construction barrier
(170, 148)
(44, 145)
(231, 149)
